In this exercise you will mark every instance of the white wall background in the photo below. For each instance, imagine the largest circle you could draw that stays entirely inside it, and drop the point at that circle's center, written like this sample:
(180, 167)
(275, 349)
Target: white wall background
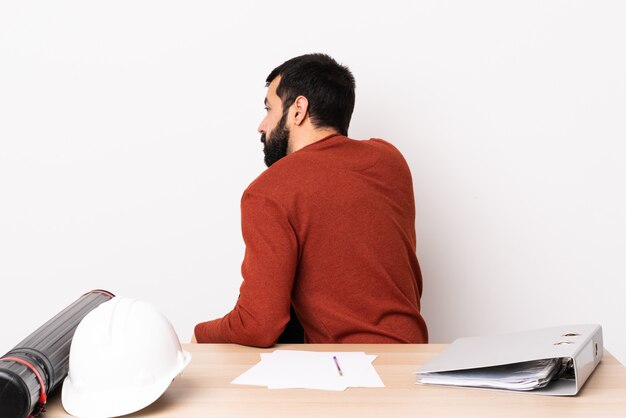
(128, 133)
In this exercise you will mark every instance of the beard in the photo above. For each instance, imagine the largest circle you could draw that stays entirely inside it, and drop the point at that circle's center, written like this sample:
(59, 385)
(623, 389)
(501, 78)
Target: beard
(275, 146)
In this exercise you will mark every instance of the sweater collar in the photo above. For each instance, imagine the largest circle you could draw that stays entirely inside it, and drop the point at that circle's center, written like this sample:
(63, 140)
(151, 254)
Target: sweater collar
(320, 142)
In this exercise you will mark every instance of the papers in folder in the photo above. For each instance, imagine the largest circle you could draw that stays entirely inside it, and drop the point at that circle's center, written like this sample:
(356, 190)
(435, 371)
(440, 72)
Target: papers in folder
(528, 375)
(284, 369)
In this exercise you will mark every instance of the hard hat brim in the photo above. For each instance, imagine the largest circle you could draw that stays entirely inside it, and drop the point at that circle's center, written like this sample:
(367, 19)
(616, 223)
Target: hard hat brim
(114, 402)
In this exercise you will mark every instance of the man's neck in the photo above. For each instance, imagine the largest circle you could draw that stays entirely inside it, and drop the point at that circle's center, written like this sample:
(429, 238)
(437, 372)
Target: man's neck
(297, 142)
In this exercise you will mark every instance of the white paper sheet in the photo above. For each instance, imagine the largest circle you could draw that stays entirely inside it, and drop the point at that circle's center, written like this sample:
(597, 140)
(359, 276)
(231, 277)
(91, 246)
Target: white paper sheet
(286, 369)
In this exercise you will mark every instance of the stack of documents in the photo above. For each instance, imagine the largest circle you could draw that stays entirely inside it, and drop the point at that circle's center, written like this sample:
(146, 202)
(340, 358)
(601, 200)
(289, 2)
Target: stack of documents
(285, 369)
(527, 375)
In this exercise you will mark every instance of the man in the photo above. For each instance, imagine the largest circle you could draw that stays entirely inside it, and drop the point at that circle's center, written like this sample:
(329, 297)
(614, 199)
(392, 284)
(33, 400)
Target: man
(329, 227)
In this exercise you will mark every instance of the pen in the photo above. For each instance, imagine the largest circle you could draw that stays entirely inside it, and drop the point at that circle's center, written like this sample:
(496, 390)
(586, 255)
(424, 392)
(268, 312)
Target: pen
(337, 364)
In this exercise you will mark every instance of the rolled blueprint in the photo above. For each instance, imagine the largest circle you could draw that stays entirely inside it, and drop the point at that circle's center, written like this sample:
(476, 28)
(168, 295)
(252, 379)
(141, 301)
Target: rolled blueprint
(37, 365)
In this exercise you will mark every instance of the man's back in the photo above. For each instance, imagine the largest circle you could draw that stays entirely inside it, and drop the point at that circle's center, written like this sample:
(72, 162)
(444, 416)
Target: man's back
(350, 207)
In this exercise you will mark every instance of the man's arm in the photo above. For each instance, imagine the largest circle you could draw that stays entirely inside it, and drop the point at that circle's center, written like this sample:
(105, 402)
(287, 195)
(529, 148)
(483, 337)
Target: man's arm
(268, 269)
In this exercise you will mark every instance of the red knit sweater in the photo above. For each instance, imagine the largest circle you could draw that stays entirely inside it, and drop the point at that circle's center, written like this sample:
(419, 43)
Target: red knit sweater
(331, 229)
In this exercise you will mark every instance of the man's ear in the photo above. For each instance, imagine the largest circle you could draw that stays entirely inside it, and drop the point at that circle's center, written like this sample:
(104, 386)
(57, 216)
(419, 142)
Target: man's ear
(301, 109)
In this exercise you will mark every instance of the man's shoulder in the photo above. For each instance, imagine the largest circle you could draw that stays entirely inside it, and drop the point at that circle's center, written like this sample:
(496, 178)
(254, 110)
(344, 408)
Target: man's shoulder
(384, 146)
(277, 177)
(387, 147)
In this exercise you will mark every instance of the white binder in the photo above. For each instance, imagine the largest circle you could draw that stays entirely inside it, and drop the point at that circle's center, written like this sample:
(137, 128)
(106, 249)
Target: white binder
(581, 343)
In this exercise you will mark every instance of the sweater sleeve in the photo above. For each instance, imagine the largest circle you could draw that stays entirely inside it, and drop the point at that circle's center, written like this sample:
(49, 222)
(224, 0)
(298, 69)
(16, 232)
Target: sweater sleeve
(268, 269)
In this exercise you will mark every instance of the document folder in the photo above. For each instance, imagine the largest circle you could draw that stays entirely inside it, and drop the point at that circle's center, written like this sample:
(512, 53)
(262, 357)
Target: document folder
(579, 347)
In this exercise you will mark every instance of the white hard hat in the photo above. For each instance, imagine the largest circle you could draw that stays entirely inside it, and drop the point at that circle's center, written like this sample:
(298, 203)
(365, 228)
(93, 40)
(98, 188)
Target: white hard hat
(124, 355)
